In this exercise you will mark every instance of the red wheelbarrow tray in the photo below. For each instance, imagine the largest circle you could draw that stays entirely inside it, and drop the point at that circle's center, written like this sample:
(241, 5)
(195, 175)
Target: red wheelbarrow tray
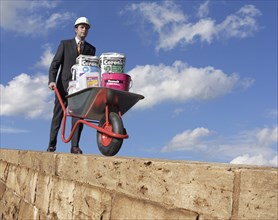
(90, 103)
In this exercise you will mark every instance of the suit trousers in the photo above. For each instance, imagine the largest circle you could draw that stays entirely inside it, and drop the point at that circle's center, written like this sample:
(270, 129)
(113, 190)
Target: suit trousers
(57, 119)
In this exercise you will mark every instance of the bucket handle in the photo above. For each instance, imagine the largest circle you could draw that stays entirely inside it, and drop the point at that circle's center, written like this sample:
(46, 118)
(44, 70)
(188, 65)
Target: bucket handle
(130, 83)
(73, 72)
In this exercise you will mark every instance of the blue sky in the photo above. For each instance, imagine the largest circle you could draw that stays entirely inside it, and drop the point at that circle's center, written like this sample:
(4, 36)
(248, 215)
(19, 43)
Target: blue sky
(207, 69)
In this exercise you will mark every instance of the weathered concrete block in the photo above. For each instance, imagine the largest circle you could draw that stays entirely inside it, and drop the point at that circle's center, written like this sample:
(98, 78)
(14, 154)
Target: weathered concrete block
(130, 208)
(28, 211)
(9, 205)
(258, 194)
(75, 167)
(2, 189)
(201, 188)
(198, 187)
(44, 216)
(43, 192)
(91, 203)
(9, 155)
(33, 160)
(3, 170)
(61, 199)
(23, 182)
(12, 181)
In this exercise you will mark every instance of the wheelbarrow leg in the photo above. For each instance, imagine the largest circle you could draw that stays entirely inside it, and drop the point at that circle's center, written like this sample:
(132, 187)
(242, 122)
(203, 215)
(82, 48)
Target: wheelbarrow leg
(106, 114)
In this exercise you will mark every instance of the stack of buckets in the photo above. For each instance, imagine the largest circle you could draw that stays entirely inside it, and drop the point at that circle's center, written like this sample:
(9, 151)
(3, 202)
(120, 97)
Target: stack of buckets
(106, 71)
(113, 72)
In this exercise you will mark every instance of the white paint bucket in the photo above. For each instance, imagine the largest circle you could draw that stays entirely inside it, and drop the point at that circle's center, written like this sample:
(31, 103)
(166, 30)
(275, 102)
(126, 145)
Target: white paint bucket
(86, 73)
(112, 63)
(87, 60)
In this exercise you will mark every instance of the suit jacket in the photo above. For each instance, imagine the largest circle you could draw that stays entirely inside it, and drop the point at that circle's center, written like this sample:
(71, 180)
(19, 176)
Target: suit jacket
(65, 58)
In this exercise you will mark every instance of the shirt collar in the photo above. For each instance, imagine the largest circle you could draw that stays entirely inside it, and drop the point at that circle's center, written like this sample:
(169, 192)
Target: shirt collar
(77, 40)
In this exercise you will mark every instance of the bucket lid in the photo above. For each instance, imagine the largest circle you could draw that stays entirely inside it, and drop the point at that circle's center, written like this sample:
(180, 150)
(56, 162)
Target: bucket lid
(87, 57)
(112, 54)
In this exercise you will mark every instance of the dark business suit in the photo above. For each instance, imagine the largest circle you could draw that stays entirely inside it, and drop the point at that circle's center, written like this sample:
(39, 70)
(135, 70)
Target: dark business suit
(65, 58)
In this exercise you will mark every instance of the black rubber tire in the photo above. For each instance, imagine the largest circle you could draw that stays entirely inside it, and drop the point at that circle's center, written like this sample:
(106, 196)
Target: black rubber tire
(115, 144)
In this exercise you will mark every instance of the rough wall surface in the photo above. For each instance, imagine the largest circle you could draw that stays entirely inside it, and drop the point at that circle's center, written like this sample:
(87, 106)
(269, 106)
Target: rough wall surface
(41, 185)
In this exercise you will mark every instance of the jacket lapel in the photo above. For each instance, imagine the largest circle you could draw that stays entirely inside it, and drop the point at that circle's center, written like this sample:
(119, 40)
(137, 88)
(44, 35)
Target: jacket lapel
(85, 48)
(74, 47)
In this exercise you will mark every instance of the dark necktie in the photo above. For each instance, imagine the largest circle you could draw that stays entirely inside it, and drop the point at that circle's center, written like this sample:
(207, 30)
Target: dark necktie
(79, 46)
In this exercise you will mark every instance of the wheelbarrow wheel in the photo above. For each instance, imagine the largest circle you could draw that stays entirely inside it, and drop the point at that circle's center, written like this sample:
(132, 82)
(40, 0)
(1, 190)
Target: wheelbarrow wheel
(107, 145)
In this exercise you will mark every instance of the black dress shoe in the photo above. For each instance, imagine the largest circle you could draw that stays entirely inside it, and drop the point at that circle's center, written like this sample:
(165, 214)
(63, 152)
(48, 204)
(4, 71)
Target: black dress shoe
(76, 150)
(51, 149)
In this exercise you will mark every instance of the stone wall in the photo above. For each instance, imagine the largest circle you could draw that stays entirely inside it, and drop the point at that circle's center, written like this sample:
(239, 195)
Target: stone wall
(41, 185)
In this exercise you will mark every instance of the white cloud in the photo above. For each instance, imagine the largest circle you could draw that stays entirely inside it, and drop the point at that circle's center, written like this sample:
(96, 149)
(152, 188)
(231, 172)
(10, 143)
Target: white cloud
(257, 147)
(259, 160)
(10, 130)
(26, 96)
(241, 24)
(25, 17)
(267, 136)
(273, 113)
(187, 140)
(274, 161)
(46, 58)
(177, 112)
(203, 10)
(180, 82)
(173, 28)
(159, 14)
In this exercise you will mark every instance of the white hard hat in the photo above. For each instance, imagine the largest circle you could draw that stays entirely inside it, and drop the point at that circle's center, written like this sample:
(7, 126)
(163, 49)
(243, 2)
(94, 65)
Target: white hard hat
(82, 20)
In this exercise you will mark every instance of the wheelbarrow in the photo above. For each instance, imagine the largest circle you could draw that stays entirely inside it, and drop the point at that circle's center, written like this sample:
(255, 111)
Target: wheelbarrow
(100, 108)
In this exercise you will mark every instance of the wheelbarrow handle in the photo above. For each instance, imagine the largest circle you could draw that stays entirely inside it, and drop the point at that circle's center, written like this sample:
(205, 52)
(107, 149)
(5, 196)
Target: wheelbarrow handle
(60, 100)
(66, 140)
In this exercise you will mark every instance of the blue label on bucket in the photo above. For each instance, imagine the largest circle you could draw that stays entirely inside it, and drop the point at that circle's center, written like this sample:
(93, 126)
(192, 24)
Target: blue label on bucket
(89, 69)
(94, 69)
(85, 69)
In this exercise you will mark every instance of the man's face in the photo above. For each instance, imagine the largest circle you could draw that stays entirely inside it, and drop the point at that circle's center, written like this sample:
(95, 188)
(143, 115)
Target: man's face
(81, 31)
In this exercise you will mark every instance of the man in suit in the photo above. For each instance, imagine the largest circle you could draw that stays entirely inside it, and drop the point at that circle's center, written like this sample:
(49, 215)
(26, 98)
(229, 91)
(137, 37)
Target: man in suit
(60, 75)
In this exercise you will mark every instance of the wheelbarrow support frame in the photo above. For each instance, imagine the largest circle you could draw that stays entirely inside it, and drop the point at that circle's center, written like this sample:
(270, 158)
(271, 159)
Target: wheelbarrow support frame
(90, 124)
